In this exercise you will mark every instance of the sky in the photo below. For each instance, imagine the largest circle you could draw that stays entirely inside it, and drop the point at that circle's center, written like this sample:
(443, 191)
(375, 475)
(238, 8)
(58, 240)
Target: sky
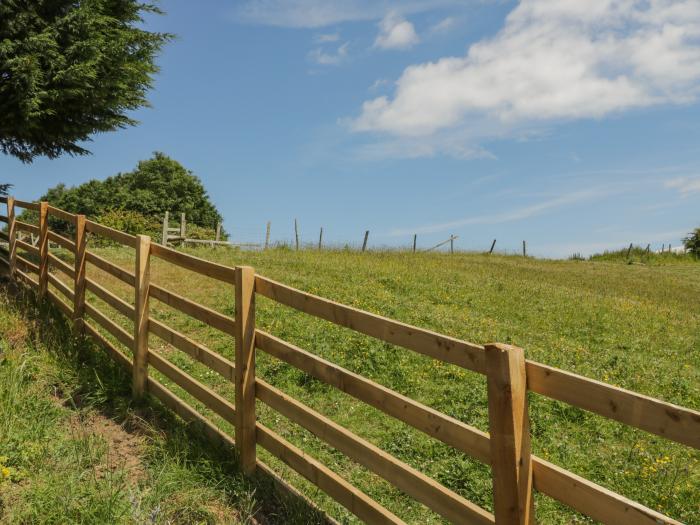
(571, 125)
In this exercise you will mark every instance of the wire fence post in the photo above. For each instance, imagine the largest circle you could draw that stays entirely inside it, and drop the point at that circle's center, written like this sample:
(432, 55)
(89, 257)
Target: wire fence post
(296, 233)
(166, 223)
(245, 367)
(509, 428)
(415, 237)
(364, 243)
(493, 245)
(320, 238)
(141, 285)
(267, 235)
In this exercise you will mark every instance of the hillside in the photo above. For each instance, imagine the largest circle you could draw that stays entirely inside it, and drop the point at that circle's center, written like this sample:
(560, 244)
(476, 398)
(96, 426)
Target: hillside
(635, 326)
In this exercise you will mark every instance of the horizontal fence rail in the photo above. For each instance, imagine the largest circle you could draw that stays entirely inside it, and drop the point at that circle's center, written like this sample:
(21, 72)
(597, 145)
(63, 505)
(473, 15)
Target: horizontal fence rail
(516, 472)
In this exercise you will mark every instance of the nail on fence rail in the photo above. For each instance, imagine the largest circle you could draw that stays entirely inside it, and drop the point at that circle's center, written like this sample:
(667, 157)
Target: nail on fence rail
(506, 448)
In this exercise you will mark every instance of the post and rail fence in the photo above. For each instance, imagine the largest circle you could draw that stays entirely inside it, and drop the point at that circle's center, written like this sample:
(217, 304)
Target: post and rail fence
(516, 472)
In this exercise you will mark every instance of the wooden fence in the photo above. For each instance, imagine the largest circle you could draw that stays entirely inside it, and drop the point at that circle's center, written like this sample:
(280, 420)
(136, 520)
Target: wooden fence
(506, 448)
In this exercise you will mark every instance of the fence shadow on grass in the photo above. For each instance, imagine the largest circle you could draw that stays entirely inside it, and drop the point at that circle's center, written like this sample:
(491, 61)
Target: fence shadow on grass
(104, 386)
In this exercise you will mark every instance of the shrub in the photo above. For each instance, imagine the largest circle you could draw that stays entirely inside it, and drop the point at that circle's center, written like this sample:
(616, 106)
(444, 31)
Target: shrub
(692, 242)
(131, 222)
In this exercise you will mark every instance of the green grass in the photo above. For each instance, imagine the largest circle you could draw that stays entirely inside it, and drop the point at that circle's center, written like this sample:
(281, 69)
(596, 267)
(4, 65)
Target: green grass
(74, 450)
(636, 326)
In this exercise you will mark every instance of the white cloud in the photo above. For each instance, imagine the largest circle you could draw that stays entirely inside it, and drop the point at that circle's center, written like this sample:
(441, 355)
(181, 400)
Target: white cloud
(553, 60)
(444, 25)
(327, 37)
(325, 58)
(685, 185)
(321, 13)
(379, 83)
(395, 32)
(517, 214)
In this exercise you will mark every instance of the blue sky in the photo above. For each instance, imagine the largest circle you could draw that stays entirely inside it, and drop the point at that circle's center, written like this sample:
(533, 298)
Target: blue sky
(572, 125)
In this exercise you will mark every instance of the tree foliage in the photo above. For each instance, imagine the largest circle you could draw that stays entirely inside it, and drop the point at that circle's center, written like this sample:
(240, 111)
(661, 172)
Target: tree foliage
(69, 69)
(157, 185)
(692, 242)
(4, 188)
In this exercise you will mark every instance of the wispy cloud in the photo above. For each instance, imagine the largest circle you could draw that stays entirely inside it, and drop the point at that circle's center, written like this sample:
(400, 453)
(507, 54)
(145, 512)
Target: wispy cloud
(685, 185)
(518, 214)
(327, 37)
(321, 13)
(444, 25)
(332, 58)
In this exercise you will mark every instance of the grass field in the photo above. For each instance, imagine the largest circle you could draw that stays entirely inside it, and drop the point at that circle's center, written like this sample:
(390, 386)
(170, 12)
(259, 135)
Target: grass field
(632, 325)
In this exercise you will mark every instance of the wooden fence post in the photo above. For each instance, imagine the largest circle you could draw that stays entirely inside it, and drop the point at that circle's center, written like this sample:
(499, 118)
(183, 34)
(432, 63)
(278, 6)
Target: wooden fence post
(12, 236)
(43, 248)
(79, 279)
(166, 223)
(218, 231)
(267, 236)
(452, 244)
(245, 367)
(524, 249)
(364, 243)
(510, 435)
(493, 245)
(142, 282)
(629, 250)
(415, 237)
(320, 238)
(183, 226)
(296, 233)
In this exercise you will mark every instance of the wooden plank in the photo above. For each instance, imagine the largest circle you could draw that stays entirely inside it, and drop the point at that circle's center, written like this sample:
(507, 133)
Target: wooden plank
(328, 481)
(79, 272)
(63, 288)
(113, 328)
(204, 394)
(4, 219)
(201, 353)
(245, 367)
(27, 205)
(201, 313)
(451, 431)
(23, 226)
(61, 265)
(426, 342)
(195, 264)
(435, 496)
(141, 306)
(62, 241)
(63, 215)
(658, 417)
(111, 268)
(27, 264)
(108, 297)
(26, 279)
(43, 248)
(26, 246)
(509, 431)
(592, 500)
(55, 299)
(112, 350)
(111, 233)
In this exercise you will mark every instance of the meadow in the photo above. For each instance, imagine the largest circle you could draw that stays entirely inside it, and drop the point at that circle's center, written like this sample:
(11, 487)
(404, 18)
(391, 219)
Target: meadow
(632, 325)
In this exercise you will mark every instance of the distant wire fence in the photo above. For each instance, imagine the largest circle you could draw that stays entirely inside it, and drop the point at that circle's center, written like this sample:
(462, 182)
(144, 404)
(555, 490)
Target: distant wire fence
(262, 239)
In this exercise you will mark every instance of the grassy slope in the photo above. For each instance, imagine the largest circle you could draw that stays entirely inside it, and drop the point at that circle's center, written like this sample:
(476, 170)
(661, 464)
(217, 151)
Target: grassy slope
(74, 450)
(637, 326)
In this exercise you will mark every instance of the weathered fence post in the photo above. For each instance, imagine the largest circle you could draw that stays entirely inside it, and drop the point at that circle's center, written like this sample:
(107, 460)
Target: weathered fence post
(415, 237)
(12, 236)
(166, 224)
(320, 238)
(452, 244)
(296, 233)
(364, 243)
(245, 367)
(218, 231)
(493, 245)
(79, 279)
(267, 236)
(142, 282)
(524, 249)
(629, 250)
(43, 248)
(183, 226)
(510, 435)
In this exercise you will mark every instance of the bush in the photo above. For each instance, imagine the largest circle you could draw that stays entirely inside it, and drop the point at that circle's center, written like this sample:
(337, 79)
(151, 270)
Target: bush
(692, 242)
(131, 222)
